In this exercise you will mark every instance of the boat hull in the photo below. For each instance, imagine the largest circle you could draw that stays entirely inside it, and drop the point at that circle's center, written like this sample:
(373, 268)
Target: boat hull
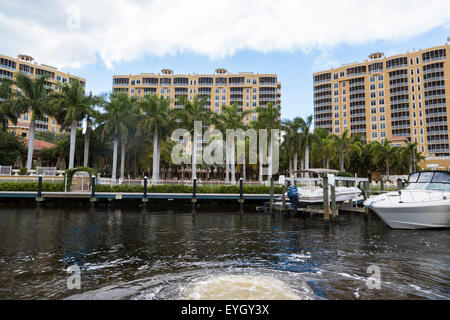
(415, 215)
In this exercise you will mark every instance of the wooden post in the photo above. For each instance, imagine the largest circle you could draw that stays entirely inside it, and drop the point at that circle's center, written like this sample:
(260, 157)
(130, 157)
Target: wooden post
(39, 192)
(194, 194)
(326, 214)
(241, 195)
(145, 198)
(283, 199)
(333, 201)
(271, 193)
(366, 194)
(92, 200)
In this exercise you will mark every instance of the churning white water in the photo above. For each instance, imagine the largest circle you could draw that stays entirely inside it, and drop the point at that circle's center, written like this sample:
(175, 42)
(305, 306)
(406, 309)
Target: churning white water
(241, 287)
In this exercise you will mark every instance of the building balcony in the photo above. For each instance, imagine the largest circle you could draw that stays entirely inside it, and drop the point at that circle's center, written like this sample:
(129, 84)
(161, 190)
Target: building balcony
(400, 66)
(436, 96)
(436, 114)
(323, 90)
(357, 91)
(400, 76)
(321, 104)
(436, 123)
(359, 130)
(438, 141)
(4, 66)
(322, 112)
(433, 59)
(436, 78)
(433, 70)
(429, 88)
(401, 126)
(400, 118)
(436, 132)
(397, 85)
(121, 84)
(400, 101)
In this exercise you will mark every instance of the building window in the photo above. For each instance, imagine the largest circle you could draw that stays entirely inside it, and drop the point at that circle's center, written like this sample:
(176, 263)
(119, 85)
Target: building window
(133, 82)
(254, 81)
(336, 85)
(336, 100)
(224, 90)
(341, 74)
(372, 87)
(382, 117)
(383, 126)
(254, 104)
(380, 85)
(373, 102)
(161, 90)
(374, 135)
(381, 109)
(372, 79)
(373, 110)
(374, 126)
(58, 78)
(336, 130)
(336, 93)
(336, 122)
(336, 115)
(131, 90)
(374, 118)
(380, 77)
(217, 90)
(382, 134)
(336, 107)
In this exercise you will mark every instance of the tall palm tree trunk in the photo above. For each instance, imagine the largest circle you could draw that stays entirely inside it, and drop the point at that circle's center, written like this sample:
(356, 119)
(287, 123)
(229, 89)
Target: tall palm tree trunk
(270, 159)
(86, 145)
(342, 162)
(73, 136)
(307, 159)
(122, 159)
(155, 157)
(261, 165)
(31, 144)
(194, 159)
(387, 168)
(295, 164)
(233, 163)
(244, 173)
(290, 166)
(158, 164)
(114, 168)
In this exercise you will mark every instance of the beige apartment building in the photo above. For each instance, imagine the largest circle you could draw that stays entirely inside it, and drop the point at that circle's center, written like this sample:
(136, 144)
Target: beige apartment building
(26, 64)
(246, 89)
(400, 98)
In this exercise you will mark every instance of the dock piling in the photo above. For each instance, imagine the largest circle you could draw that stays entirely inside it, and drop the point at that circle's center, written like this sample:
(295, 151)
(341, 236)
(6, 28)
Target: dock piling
(241, 194)
(334, 212)
(283, 199)
(39, 192)
(194, 194)
(93, 199)
(271, 194)
(326, 214)
(145, 198)
(382, 185)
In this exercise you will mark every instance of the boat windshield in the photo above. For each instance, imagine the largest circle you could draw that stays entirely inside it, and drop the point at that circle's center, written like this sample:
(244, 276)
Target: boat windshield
(429, 180)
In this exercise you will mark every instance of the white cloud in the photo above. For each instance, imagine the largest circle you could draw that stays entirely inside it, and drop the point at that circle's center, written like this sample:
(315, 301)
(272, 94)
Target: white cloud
(116, 31)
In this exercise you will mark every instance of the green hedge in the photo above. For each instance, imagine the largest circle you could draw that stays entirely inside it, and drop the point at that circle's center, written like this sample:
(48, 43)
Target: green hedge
(30, 186)
(46, 186)
(186, 189)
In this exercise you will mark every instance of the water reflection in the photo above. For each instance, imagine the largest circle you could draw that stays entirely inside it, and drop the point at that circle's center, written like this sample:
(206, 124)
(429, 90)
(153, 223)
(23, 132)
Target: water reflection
(139, 254)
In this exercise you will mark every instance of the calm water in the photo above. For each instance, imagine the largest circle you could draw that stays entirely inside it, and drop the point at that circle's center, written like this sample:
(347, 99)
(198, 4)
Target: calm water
(135, 254)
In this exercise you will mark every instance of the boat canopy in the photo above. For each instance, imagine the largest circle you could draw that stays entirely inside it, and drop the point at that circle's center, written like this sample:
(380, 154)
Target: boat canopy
(318, 171)
(429, 177)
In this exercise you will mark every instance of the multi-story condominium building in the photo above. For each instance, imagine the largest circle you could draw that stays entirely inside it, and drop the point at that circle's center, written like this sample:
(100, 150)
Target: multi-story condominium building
(25, 64)
(246, 89)
(401, 98)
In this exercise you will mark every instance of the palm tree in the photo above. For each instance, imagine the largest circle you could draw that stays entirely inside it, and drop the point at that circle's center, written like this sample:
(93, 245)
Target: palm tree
(91, 116)
(116, 122)
(384, 152)
(32, 96)
(319, 148)
(197, 110)
(155, 120)
(7, 111)
(268, 118)
(291, 142)
(71, 105)
(306, 138)
(231, 118)
(411, 156)
(341, 146)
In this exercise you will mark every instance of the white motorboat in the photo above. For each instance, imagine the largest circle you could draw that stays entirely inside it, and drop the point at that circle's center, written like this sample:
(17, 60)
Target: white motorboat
(314, 194)
(423, 204)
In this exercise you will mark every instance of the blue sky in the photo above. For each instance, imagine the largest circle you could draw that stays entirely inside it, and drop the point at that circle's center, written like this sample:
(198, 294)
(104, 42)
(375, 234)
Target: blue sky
(96, 39)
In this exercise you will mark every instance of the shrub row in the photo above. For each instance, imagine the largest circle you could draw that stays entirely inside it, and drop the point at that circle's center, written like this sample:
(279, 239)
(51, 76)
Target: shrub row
(186, 189)
(31, 186)
(46, 186)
